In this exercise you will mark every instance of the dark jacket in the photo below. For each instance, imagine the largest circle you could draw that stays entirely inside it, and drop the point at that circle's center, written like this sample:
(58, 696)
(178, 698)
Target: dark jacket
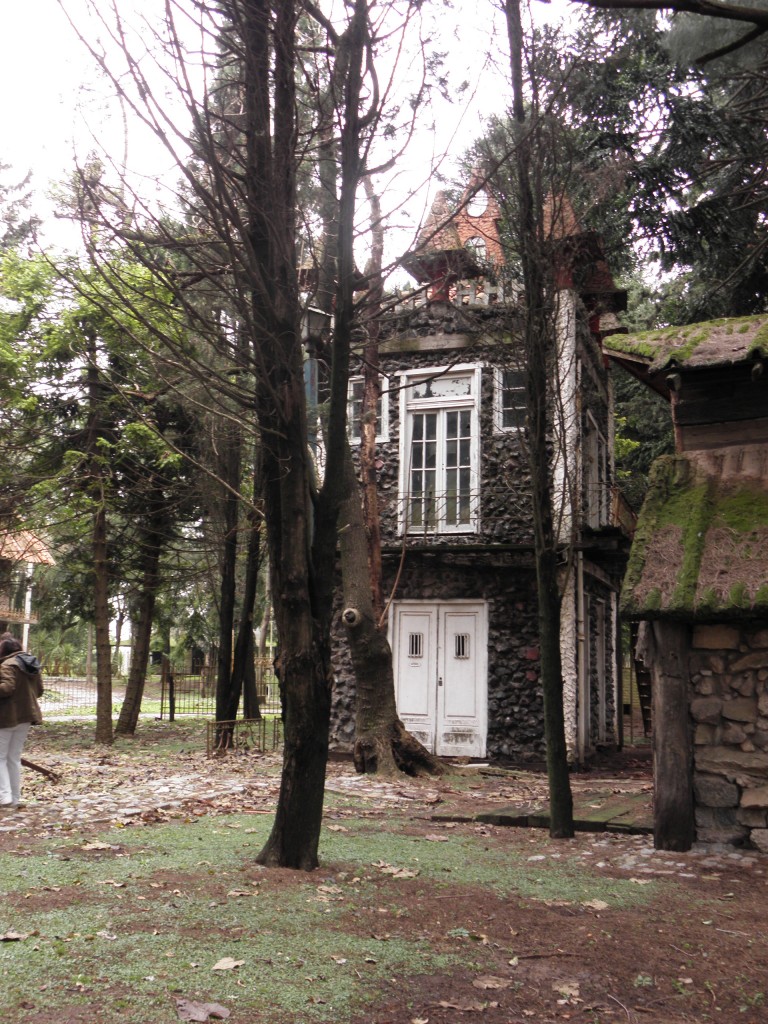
(21, 683)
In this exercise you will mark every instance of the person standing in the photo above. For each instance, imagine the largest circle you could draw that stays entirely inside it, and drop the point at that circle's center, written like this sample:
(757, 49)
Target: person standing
(21, 683)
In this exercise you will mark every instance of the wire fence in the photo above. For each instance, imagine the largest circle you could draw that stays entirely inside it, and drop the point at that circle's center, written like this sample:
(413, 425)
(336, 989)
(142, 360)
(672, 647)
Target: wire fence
(195, 694)
(172, 695)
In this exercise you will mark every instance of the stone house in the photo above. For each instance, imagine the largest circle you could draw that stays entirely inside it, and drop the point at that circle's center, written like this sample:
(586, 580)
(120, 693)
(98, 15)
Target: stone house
(698, 580)
(455, 502)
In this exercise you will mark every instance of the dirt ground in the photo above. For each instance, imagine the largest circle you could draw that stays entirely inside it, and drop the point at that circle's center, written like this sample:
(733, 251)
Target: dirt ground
(694, 953)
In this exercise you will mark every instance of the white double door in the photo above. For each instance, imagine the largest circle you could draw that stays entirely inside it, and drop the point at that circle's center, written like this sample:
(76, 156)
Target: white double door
(441, 674)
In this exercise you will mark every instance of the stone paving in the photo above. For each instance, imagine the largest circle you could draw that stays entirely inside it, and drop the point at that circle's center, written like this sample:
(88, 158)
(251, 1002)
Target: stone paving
(101, 801)
(105, 806)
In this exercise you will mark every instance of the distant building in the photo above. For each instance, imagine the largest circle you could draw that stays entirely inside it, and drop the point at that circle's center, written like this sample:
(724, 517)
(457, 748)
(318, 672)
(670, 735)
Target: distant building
(20, 551)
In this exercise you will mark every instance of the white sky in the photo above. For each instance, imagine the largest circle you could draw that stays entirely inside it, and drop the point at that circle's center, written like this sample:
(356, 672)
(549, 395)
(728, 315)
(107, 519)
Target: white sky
(46, 76)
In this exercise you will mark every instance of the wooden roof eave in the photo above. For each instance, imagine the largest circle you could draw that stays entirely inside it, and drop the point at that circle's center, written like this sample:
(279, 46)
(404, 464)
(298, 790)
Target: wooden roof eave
(640, 368)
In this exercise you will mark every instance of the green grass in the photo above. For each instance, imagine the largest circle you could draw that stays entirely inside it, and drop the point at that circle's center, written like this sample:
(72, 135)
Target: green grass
(146, 918)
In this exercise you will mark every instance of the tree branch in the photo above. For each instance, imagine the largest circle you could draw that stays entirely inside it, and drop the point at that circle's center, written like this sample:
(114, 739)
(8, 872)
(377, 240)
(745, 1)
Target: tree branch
(708, 8)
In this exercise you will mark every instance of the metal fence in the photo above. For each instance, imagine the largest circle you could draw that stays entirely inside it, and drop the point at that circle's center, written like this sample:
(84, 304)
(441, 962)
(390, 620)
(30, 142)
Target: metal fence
(195, 695)
(180, 695)
(66, 696)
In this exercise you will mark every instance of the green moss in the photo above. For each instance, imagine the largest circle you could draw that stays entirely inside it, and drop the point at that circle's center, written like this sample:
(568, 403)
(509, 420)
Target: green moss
(708, 601)
(739, 597)
(694, 505)
(743, 510)
(759, 344)
(677, 344)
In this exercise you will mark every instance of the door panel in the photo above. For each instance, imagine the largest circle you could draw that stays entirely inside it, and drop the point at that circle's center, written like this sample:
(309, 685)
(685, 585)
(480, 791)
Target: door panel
(441, 674)
(415, 650)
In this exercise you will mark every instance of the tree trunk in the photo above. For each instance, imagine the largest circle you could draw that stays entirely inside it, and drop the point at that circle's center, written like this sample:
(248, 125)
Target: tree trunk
(101, 623)
(382, 743)
(303, 663)
(143, 619)
(540, 356)
(119, 623)
(99, 545)
(227, 690)
(673, 814)
(301, 613)
(243, 669)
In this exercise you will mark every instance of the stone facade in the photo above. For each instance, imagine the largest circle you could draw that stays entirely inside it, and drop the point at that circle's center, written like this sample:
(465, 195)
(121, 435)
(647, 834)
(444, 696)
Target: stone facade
(729, 712)
(494, 561)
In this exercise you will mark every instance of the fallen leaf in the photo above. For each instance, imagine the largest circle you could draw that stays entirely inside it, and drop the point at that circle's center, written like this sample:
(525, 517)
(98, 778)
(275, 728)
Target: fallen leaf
(390, 869)
(595, 904)
(436, 839)
(242, 892)
(95, 846)
(336, 828)
(14, 936)
(192, 1011)
(642, 881)
(227, 964)
(567, 989)
(489, 981)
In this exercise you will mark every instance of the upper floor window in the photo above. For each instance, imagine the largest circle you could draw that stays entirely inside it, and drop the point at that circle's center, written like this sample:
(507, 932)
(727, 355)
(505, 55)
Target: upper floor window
(440, 450)
(511, 403)
(355, 390)
(596, 466)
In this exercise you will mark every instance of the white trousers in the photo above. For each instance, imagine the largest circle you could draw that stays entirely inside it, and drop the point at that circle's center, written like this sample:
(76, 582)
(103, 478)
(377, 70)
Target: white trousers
(11, 745)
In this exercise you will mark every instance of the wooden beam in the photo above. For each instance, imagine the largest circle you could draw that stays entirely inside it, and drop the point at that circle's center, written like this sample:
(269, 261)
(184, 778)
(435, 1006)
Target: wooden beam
(673, 817)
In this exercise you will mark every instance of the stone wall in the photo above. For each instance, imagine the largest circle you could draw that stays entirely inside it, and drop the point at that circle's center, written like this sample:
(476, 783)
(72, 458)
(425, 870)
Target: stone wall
(729, 707)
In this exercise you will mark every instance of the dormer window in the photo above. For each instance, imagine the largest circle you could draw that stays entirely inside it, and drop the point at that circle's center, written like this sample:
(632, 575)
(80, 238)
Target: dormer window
(478, 248)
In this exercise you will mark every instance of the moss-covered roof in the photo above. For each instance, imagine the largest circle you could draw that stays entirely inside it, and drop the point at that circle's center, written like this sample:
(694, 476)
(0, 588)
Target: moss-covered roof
(712, 343)
(700, 551)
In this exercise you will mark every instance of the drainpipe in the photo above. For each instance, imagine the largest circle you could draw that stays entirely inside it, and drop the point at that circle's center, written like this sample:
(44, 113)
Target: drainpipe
(581, 661)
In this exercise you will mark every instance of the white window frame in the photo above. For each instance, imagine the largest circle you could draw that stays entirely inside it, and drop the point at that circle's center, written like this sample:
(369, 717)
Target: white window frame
(409, 408)
(382, 419)
(498, 401)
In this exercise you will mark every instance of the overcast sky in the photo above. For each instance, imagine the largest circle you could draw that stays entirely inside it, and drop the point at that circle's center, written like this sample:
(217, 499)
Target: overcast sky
(46, 78)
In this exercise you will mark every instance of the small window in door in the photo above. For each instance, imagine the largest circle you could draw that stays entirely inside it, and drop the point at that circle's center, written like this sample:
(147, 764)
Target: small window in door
(415, 645)
(462, 645)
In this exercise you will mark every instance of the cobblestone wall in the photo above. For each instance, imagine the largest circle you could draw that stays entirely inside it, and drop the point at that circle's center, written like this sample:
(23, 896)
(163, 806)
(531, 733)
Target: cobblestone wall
(729, 707)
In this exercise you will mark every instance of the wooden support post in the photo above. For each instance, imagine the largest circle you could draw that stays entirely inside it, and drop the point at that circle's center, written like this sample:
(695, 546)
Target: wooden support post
(673, 818)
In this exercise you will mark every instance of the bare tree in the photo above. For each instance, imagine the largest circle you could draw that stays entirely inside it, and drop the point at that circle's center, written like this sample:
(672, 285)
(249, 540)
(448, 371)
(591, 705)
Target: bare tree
(237, 250)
